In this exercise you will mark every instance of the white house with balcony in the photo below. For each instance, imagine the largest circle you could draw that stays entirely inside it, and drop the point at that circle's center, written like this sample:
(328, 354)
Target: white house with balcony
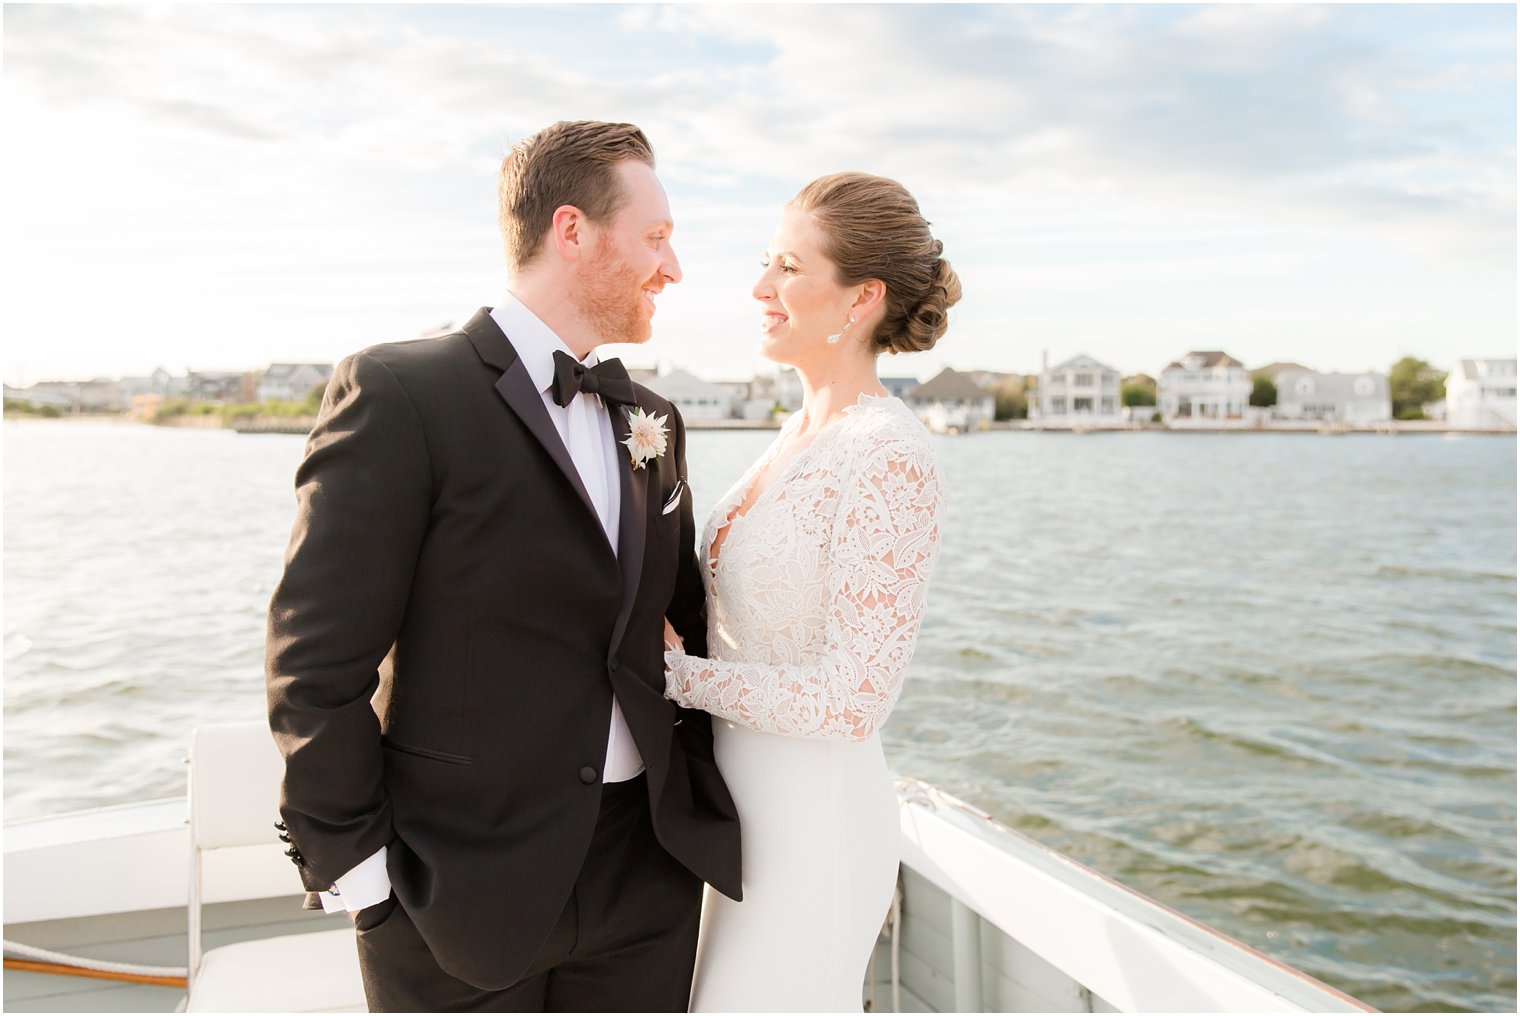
(1480, 395)
(1303, 394)
(1203, 387)
(1081, 392)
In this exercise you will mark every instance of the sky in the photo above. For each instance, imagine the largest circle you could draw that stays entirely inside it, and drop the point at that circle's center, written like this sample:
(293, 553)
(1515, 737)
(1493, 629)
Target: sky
(219, 187)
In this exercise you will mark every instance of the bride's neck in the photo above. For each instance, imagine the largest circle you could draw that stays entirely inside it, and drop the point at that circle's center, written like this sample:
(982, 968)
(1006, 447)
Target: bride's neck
(828, 391)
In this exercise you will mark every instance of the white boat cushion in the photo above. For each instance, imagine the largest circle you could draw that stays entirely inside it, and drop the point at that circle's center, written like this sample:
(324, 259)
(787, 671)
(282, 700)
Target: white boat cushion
(318, 972)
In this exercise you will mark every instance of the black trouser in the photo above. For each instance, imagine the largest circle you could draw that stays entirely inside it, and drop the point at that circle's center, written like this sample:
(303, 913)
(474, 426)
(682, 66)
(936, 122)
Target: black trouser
(626, 942)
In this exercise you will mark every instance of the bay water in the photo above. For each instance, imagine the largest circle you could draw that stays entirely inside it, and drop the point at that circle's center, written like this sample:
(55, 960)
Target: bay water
(1267, 679)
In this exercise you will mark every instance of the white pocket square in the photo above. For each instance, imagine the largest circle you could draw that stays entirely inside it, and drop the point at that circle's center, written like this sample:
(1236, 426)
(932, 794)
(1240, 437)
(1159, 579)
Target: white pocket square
(674, 501)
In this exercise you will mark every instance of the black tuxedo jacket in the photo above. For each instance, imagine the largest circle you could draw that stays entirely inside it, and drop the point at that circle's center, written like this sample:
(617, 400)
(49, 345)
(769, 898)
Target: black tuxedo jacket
(446, 639)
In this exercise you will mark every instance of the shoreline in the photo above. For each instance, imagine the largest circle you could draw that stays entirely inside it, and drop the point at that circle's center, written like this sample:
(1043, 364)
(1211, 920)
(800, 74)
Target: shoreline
(1385, 428)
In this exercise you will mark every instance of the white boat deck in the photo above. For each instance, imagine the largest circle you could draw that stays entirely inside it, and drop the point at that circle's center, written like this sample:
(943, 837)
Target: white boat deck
(990, 921)
(152, 937)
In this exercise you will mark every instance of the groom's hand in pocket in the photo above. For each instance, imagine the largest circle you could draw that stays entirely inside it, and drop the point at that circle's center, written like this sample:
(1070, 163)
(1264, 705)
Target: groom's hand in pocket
(373, 916)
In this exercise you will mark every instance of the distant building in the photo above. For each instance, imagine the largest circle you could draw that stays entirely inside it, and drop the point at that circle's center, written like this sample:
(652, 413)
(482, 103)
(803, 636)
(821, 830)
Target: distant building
(899, 386)
(951, 401)
(215, 386)
(1344, 398)
(292, 382)
(1480, 395)
(1274, 370)
(784, 388)
(694, 398)
(1080, 391)
(1207, 385)
(160, 383)
(98, 396)
(38, 398)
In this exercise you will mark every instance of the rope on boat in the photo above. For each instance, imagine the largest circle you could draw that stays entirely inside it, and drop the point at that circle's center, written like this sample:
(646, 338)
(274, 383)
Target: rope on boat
(45, 961)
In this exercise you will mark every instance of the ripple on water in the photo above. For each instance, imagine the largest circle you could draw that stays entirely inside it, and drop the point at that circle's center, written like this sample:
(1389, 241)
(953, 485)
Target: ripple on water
(1272, 690)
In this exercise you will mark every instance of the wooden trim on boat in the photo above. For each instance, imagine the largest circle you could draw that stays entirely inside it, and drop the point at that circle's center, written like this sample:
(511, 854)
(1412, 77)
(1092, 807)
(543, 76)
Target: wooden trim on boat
(65, 970)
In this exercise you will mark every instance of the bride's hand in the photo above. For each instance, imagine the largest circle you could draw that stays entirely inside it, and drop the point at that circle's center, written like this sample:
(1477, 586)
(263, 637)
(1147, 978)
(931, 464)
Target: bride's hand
(672, 640)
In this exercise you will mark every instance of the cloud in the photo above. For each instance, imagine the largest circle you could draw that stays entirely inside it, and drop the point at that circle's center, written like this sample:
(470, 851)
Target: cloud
(344, 156)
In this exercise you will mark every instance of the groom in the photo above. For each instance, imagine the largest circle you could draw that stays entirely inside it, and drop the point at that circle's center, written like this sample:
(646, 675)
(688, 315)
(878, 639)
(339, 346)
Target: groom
(464, 663)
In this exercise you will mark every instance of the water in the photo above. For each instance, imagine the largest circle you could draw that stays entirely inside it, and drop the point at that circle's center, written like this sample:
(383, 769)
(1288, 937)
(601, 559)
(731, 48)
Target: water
(1266, 679)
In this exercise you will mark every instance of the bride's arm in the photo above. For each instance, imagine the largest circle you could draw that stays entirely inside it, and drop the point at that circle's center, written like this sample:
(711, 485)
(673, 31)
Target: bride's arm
(884, 546)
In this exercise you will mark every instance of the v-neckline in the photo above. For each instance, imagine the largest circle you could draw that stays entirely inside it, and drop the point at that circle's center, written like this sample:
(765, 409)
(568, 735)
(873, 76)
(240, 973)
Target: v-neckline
(712, 552)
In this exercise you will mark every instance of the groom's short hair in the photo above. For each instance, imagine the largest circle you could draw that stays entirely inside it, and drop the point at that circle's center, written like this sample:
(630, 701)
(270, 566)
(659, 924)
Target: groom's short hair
(568, 163)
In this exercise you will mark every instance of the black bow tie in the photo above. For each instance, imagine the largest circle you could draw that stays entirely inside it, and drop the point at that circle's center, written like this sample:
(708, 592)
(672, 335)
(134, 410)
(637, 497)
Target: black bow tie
(607, 379)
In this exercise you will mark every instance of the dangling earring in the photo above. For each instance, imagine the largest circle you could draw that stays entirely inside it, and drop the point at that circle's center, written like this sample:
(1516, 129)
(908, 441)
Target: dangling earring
(834, 339)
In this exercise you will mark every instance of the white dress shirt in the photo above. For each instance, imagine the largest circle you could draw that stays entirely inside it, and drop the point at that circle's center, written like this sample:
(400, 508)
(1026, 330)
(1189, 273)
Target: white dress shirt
(586, 430)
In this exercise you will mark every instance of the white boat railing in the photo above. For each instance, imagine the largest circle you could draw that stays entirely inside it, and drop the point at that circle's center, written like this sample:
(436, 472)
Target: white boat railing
(1126, 950)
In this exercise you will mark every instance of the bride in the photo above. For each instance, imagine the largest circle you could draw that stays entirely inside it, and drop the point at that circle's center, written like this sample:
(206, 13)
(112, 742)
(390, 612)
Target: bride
(816, 566)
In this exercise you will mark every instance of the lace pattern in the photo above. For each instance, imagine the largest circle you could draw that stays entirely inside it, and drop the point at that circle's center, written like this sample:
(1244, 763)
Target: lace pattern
(815, 602)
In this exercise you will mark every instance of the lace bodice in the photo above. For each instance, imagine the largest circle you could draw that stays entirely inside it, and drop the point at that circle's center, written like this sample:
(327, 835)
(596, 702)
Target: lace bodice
(815, 601)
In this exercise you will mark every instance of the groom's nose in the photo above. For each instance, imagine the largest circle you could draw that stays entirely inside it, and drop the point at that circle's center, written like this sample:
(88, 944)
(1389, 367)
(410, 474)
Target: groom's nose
(670, 266)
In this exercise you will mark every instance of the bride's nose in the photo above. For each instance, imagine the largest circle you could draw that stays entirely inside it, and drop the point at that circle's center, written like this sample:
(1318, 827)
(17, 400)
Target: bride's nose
(763, 289)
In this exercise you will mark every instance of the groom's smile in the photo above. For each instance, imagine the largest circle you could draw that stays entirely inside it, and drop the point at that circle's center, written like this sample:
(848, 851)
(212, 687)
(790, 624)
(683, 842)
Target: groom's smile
(631, 260)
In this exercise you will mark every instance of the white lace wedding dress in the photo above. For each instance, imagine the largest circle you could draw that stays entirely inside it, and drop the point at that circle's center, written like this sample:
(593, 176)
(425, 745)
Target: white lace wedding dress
(814, 606)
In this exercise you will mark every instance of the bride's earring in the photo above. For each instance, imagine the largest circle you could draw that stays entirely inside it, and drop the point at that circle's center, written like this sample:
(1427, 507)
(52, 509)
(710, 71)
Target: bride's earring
(834, 339)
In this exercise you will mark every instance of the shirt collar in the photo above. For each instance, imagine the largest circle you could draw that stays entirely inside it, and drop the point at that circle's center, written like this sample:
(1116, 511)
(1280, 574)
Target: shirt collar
(534, 341)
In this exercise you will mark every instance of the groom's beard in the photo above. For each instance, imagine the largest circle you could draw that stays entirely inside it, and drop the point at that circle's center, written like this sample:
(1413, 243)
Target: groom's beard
(611, 297)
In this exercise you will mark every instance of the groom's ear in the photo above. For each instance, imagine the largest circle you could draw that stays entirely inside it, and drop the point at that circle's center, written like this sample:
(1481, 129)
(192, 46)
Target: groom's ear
(568, 232)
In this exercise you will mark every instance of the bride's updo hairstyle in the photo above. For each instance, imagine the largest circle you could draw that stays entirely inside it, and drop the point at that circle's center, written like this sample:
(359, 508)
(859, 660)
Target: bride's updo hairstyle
(874, 230)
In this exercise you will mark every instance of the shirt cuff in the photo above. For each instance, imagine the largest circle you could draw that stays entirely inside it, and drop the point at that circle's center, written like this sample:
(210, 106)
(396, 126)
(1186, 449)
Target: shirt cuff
(364, 886)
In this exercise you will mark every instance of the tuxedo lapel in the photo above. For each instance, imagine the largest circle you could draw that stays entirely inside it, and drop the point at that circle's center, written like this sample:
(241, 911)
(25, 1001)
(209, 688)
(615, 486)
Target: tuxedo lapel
(516, 389)
(633, 517)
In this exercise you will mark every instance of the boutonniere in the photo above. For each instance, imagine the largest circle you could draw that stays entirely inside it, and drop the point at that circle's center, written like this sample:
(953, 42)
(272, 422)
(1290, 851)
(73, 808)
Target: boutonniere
(646, 437)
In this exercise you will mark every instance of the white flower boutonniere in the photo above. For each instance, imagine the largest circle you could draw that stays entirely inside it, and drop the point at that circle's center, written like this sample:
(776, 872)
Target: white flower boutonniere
(646, 437)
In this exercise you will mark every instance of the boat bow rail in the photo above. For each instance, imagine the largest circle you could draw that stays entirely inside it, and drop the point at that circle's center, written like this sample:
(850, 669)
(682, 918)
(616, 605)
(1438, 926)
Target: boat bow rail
(1120, 949)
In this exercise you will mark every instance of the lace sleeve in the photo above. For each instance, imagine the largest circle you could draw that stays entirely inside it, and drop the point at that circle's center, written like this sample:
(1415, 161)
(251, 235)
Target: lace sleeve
(885, 542)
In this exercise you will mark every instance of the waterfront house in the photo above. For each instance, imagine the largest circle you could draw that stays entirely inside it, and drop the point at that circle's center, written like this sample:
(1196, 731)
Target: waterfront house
(1480, 395)
(951, 401)
(899, 386)
(753, 400)
(694, 398)
(1203, 386)
(160, 383)
(1304, 394)
(1079, 392)
(40, 398)
(292, 382)
(1276, 370)
(783, 388)
(990, 380)
(100, 395)
(221, 386)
